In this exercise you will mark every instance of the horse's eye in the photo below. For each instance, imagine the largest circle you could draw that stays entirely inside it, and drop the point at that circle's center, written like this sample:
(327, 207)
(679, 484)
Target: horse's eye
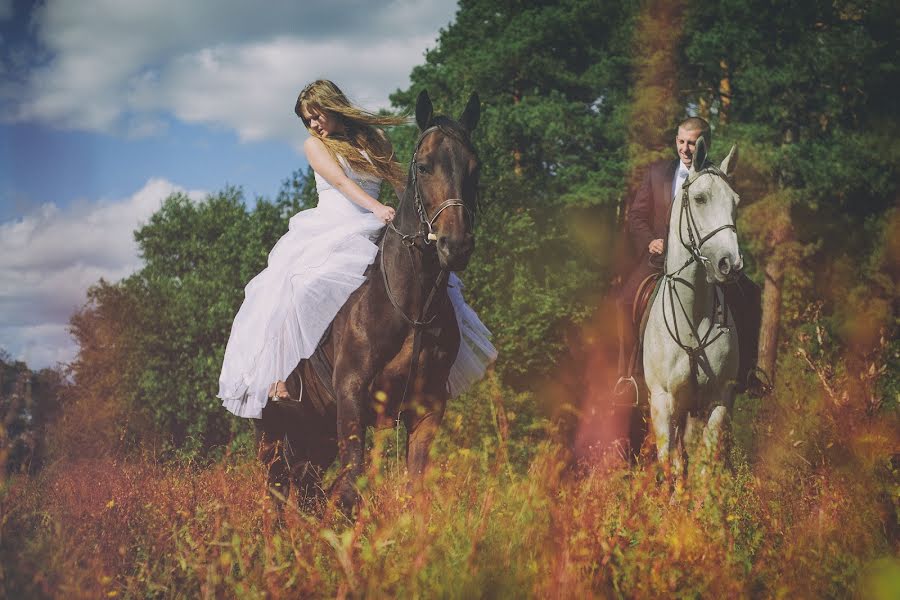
(700, 199)
(421, 168)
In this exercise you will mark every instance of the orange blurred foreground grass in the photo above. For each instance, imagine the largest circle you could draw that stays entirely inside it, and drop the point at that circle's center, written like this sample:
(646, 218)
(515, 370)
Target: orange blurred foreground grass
(804, 504)
(134, 528)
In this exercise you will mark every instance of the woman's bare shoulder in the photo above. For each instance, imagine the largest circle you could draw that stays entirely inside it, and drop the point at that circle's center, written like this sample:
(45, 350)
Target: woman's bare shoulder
(314, 144)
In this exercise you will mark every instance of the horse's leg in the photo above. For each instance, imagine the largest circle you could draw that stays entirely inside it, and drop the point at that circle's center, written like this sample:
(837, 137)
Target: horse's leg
(692, 429)
(385, 426)
(663, 420)
(351, 380)
(381, 439)
(307, 474)
(682, 429)
(422, 431)
(315, 447)
(270, 451)
(714, 432)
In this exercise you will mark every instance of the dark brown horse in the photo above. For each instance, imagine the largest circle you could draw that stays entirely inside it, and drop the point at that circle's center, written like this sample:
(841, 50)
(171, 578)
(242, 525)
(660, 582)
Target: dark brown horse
(389, 350)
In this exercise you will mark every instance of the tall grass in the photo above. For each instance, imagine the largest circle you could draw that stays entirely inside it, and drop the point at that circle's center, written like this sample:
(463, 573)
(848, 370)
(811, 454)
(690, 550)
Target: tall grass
(804, 505)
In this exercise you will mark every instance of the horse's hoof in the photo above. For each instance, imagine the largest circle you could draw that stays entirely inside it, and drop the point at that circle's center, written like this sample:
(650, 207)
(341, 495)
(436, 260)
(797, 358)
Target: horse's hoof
(345, 497)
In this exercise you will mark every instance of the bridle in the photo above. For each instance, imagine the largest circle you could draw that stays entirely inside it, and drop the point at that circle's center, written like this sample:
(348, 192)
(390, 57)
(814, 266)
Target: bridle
(425, 232)
(694, 245)
(425, 229)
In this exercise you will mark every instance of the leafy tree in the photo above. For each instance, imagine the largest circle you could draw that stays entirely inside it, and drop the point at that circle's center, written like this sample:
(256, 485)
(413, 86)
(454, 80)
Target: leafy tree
(552, 78)
(29, 402)
(153, 344)
(806, 89)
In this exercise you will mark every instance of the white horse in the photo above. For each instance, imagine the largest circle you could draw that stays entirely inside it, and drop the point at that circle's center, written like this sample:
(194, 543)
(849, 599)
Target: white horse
(690, 342)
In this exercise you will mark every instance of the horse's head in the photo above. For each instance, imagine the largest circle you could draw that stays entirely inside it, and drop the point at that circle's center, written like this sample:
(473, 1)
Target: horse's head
(707, 221)
(444, 180)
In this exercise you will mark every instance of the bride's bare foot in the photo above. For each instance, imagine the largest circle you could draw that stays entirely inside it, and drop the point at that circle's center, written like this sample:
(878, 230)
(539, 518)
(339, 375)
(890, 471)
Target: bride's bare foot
(279, 390)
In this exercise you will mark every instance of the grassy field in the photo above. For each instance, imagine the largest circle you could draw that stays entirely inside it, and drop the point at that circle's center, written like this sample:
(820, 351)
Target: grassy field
(797, 513)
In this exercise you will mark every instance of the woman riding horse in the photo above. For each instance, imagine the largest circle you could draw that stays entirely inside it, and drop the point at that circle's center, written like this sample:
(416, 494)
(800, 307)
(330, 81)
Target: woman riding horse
(324, 289)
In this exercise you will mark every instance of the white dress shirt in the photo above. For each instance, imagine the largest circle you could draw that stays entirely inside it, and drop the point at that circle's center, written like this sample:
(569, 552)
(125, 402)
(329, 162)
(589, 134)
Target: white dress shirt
(681, 174)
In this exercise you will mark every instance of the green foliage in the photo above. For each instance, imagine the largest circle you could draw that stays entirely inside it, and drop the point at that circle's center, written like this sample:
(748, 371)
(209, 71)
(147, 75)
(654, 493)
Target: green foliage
(810, 100)
(552, 79)
(805, 89)
(29, 403)
(798, 66)
(492, 420)
(155, 341)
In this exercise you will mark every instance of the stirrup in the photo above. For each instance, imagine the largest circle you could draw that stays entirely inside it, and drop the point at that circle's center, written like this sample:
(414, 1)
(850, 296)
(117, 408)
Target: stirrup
(765, 386)
(619, 388)
(276, 399)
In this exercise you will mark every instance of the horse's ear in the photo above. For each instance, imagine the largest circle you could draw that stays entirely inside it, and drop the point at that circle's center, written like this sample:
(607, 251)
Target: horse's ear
(469, 117)
(730, 161)
(424, 110)
(699, 156)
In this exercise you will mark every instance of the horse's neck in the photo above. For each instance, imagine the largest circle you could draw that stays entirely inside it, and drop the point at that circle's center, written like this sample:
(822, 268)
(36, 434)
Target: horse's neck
(419, 264)
(407, 219)
(698, 298)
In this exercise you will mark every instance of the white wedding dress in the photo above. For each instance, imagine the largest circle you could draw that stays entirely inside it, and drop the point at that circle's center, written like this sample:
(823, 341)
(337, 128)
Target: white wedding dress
(312, 271)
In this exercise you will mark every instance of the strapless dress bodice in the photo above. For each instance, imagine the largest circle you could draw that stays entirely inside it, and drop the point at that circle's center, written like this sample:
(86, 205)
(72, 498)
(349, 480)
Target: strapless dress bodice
(331, 198)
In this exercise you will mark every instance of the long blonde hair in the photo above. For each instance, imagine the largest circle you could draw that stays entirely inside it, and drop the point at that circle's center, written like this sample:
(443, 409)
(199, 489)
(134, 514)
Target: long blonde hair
(360, 131)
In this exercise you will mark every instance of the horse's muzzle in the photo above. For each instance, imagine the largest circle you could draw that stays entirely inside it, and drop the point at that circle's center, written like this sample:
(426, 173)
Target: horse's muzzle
(454, 252)
(730, 269)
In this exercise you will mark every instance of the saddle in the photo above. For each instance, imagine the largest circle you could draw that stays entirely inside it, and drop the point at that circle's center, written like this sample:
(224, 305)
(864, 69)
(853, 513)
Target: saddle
(744, 297)
(643, 298)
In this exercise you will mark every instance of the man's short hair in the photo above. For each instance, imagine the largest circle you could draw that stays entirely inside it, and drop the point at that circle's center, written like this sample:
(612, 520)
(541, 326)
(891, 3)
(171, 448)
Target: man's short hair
(695, 123)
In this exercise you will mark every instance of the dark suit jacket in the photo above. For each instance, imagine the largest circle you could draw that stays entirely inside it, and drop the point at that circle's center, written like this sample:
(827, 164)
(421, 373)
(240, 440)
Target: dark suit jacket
(647, 215)
(646, 219)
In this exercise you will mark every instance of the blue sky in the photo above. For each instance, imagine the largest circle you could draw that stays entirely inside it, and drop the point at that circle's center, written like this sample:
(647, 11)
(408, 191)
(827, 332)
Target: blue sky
(108, 107)
(39, 164)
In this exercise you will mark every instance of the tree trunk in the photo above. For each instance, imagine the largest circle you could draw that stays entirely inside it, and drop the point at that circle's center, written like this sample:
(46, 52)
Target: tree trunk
(724, 93)
(779, 242)
(771, 316)
(517, 152)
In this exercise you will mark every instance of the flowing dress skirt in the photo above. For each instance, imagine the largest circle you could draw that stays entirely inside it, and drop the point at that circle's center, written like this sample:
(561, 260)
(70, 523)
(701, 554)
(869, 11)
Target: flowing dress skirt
(312, 271)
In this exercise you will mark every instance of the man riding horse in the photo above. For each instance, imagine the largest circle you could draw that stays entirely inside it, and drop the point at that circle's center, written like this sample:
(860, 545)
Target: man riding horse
(647, 222)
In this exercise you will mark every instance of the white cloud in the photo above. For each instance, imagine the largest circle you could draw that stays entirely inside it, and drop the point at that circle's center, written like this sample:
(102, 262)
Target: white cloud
(226, 63)
(48, 260)
(129, 67)
(245, 87)
(40, 346)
